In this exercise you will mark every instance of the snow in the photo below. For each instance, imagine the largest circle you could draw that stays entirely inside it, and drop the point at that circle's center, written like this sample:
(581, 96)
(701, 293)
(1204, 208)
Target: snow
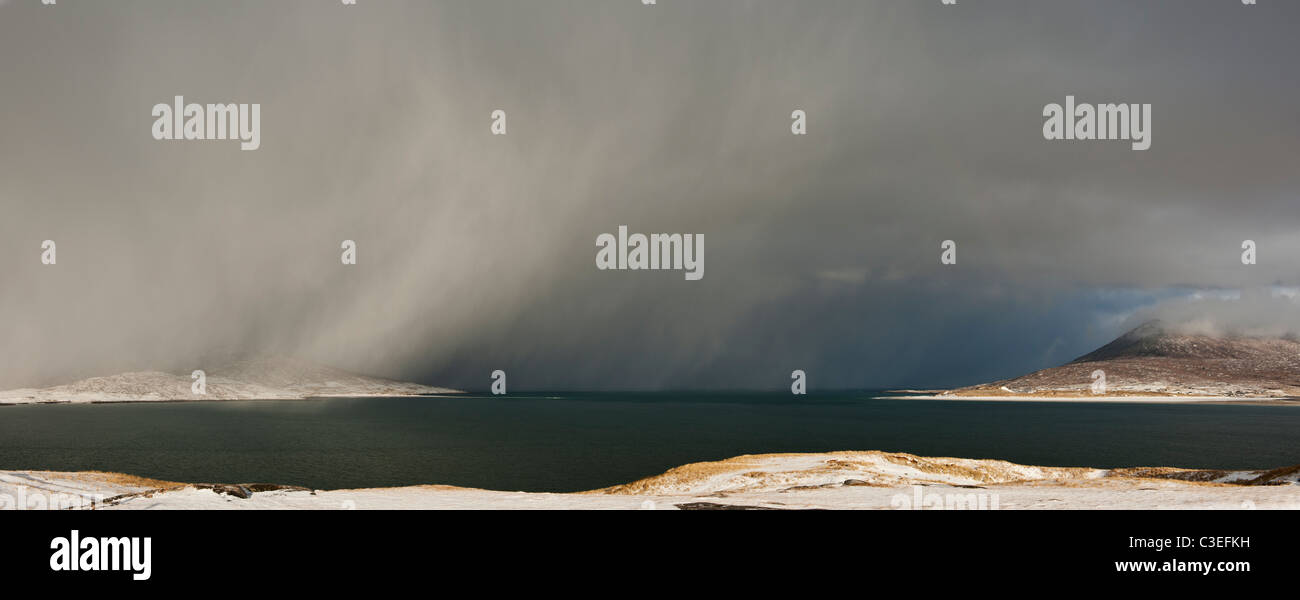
(1237, 477)
(1180, 399)
(266, 379)
(839, 480)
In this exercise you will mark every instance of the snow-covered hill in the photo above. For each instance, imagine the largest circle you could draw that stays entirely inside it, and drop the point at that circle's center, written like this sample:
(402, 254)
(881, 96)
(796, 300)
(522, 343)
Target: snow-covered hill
(834, 480)
(1155, 361)
(269, 379)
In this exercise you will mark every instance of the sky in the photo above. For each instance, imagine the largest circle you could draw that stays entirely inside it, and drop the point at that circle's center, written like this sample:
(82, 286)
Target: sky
(476, 252)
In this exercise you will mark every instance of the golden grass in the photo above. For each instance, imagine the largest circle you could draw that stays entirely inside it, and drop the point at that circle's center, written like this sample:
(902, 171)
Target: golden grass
(864, 466)
(689, 473)
(110, 478)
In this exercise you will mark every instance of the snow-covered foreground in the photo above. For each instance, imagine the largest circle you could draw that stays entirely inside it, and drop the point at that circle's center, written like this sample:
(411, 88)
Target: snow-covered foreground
(264, 379)
(1133, 399)
(840, 480)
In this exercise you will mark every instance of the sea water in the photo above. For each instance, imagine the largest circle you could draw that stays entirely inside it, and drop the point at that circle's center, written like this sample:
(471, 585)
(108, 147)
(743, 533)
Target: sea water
(570, 442)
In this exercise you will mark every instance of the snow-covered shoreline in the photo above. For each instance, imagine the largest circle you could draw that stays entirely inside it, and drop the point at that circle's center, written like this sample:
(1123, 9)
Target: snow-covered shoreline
(265, 379)
(1107, 399)
(836, 480)
(448, 393)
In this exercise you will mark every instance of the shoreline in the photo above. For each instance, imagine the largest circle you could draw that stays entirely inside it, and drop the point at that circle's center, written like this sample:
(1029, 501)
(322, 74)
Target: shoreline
(866, 480)
(1136, 399)
(444, 394)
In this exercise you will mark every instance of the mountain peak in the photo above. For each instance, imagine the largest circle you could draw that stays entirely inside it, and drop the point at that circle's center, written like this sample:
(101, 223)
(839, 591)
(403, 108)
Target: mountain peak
(1156, 339)
(1144, 340)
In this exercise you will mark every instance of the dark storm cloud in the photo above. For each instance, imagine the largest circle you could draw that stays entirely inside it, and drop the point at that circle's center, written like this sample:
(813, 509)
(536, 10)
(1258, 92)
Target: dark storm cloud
(477, 252)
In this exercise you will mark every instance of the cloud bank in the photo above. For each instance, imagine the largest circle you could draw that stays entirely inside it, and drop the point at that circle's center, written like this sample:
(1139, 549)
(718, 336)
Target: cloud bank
(476, 252)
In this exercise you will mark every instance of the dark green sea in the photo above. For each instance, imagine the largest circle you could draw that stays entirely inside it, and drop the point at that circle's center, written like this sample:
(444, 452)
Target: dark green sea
(578, 441)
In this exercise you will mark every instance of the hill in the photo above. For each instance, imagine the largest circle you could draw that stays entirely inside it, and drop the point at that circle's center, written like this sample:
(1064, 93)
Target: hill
(1155, 360)
(263, 379)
